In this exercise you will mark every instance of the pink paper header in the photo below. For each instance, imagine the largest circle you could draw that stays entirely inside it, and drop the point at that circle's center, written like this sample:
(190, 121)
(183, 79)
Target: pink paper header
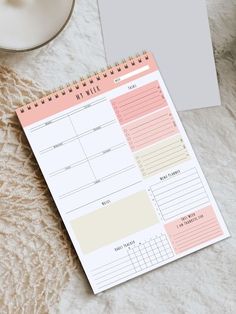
(86, 89)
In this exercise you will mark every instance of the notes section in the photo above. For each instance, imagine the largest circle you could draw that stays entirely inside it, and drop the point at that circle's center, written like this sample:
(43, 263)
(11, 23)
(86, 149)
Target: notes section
(152, 128)
(114, 222)
(139, 102)
(193, 229)
(161, 156)
(180, 194)
(139, 258)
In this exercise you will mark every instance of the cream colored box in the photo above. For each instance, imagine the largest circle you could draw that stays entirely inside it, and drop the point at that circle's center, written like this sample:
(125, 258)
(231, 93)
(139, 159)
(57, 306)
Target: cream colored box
(114, 222)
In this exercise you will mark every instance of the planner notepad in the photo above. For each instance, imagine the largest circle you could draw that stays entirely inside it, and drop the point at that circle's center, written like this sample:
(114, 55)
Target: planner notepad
(122, 172)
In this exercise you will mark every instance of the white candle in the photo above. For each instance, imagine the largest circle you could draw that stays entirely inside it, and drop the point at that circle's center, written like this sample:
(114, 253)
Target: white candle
(25, 24)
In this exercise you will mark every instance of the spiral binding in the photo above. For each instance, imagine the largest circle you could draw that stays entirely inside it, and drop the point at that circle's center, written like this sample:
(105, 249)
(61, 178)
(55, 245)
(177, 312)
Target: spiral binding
(89, 80)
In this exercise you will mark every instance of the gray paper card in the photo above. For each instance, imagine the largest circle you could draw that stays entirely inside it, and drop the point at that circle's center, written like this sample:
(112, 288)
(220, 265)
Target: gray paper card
(178, 34)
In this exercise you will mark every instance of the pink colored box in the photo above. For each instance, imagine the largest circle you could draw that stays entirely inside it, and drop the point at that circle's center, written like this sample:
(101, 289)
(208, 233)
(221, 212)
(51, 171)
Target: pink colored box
(149, 130)
(139, 102)
(193, 229)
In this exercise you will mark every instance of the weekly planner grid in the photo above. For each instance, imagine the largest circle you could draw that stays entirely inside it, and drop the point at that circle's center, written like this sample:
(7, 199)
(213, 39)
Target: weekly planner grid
(122, 172)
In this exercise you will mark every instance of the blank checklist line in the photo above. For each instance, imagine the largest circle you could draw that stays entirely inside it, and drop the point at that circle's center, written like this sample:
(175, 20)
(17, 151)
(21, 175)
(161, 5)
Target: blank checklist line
(198, 240)
(114, 271)
(142, 126)
(118, 280)
(117, 275)
(63, 116)
(139, 102)
(189, 209)
(149, 139)
(154, 128)
(180, 194)
(160, 157)
(170, 150)
(199, 226)
(123, 258)
(144, 100)
(157, 187)
(139, 257)
(190, 183)
(144, 96)
(172, 162)
(156, 88)
(186, 199)
(163, 148)
(192, 233)
(168, 161)
(143, 111)
(146, 103)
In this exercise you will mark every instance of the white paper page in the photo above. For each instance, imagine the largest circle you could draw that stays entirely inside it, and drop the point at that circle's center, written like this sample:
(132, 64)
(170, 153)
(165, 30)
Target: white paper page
(124, 176)
(178, 34)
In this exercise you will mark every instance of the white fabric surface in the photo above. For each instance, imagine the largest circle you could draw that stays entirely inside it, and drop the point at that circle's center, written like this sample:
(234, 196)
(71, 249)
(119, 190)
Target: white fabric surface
(203, 282)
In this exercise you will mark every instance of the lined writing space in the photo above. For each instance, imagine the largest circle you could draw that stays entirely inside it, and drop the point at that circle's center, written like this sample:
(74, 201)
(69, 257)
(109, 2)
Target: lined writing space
(180, 194)
(193, 229)
(150, 129)
(139, 258)
(160, 156)
(139, 102)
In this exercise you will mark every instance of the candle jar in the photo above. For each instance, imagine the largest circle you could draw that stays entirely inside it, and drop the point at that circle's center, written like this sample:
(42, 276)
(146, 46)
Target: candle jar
(29, 24)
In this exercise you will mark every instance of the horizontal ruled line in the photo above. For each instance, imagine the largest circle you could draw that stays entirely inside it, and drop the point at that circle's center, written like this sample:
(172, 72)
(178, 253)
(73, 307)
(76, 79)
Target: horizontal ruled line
(186, 205)
(169, 159)
(182, 201)
(189, 209)
(148, 122)
(184, 157)
(145, 102)
(200, 240)
(144, 94)
(100, 198)
(189, 233)
(181, 185)
(141, 111)
(153, 129)
(174, 181)
(193, 227)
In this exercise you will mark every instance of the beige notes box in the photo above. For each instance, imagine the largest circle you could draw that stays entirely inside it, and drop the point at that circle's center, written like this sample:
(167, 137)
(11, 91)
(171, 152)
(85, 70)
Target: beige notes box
(114, 222)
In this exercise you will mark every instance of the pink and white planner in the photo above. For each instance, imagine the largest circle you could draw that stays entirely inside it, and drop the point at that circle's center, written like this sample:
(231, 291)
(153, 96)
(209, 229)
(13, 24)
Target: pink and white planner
(122, 172)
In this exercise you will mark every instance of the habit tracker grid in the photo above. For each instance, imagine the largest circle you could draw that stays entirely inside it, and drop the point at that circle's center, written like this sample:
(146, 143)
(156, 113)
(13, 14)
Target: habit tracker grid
(122, 172)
